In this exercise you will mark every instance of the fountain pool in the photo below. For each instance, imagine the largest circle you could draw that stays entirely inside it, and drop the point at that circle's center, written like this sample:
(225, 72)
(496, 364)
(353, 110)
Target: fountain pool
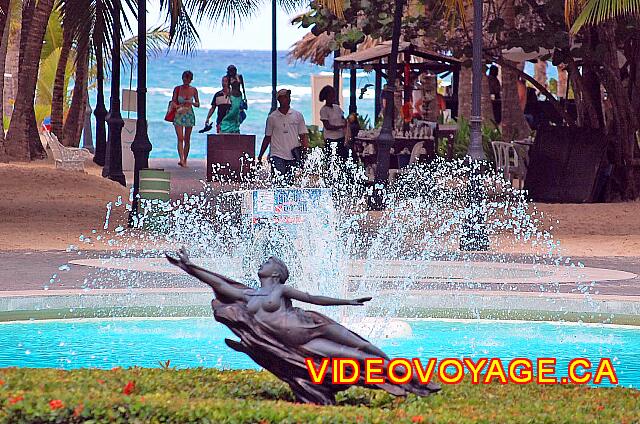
(199, 342)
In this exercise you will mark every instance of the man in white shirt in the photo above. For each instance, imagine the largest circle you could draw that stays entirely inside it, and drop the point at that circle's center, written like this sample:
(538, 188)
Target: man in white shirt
(285, 131)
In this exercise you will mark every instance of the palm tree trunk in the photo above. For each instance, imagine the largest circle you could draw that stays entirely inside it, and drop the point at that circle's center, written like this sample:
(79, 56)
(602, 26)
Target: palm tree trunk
(5, 21)
(540, 72)
(75, 118)
(57, 96)
(23, 142)
(464, 97)
(514, 125)
(624, 184)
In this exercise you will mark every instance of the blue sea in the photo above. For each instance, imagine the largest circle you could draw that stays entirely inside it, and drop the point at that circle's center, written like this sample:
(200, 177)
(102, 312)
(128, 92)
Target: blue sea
(209, 66)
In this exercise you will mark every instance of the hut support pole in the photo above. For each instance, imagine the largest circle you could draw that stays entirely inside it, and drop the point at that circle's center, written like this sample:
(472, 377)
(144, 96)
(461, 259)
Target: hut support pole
(378, 91)
(336, 75)
(455, 89)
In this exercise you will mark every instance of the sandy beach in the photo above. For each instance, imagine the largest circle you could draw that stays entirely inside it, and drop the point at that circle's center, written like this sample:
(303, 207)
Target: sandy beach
(42, 208)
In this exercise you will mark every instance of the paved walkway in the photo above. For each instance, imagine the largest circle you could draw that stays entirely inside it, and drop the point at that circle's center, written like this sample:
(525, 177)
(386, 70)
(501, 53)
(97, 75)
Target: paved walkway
(22, 270)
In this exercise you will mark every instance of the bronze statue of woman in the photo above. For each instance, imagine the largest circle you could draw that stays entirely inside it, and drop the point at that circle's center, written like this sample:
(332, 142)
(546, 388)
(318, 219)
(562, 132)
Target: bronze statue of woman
(279, 336)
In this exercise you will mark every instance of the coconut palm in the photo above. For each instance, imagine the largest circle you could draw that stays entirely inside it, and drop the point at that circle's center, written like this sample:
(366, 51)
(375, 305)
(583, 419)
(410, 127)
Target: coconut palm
(579, 13)
(5, 22)
(23, 142)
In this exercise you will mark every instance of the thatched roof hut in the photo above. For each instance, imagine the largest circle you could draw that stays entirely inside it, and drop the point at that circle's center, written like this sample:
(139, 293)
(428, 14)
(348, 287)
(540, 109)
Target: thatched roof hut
(315, 49)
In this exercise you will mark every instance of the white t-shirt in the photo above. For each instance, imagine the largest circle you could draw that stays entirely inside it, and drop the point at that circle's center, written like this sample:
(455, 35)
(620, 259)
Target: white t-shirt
(285, 131)
(335, 116)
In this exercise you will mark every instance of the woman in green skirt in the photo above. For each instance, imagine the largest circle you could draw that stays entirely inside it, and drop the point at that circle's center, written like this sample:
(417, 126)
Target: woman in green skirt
(184, 98)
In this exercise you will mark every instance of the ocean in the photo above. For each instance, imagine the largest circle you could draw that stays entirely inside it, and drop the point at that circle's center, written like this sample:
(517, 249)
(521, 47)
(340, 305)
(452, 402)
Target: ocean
(209, 66)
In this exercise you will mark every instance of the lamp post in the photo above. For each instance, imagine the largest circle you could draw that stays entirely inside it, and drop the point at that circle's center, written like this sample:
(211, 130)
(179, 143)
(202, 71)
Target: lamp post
(101, 111)
(115, 121)
(141, 145)
(274, 57)
(385, 139)
(474, 237)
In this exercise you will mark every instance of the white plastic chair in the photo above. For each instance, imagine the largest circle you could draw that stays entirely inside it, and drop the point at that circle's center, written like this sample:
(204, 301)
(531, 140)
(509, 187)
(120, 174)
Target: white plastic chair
(509, 162)
(69, 158)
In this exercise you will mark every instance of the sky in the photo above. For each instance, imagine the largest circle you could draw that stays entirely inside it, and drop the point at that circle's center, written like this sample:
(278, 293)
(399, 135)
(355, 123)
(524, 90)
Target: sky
(252, 34)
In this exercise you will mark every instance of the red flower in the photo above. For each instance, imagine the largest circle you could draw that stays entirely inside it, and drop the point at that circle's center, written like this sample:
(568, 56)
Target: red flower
(15, 399)
(129, 387)
(100, 381)
(1, 382)
(56, 404)
(417, 419)
(78, 410)
(600, 407)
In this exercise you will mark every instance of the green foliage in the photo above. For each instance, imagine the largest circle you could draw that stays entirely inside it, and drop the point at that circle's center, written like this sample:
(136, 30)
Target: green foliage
(490, 132)
(200, 395)
(553, 86)
(364, 122)
(316, 138)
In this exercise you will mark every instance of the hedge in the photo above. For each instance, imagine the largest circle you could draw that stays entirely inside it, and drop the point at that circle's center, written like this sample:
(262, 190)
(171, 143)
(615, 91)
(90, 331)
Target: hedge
(165, 395)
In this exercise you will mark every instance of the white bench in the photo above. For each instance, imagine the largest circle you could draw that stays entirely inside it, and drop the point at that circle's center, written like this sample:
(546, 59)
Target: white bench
(69, 158)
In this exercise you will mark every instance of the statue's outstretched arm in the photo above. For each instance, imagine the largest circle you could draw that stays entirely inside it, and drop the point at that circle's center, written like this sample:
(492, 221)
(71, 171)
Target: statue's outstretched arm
(217, 282)
(292, 293)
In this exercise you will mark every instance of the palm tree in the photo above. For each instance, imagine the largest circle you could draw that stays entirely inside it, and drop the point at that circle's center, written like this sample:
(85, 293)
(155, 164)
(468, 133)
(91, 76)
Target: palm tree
(23, 141)
(579, 13)
(514, 125)
(4, 36)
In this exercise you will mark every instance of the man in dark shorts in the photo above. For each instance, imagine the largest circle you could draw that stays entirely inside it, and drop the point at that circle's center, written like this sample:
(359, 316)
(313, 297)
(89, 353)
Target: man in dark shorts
(223, 103)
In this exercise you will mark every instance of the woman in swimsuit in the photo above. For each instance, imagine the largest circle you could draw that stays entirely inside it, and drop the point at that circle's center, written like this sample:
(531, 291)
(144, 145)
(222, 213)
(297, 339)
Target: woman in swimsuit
(184, 98)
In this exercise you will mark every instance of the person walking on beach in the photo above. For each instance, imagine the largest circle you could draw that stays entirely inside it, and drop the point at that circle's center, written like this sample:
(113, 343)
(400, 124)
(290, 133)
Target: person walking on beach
(231, 121)
(184, 98)
(286, 132)
(334, 125)
(223, 104)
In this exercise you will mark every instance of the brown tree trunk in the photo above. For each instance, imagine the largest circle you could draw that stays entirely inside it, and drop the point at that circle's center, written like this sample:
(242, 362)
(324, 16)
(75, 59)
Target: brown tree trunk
(75, 118)
(540, 72)
(623, 184)
(464, 97)
(23, 142)
(514, 125)
(587, 114)
(562, 81)
(11, 60)
(57, 96)
(5, 22)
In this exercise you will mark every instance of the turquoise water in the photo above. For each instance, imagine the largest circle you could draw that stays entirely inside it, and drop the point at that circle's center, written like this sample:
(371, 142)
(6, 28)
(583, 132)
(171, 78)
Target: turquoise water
(199, 342)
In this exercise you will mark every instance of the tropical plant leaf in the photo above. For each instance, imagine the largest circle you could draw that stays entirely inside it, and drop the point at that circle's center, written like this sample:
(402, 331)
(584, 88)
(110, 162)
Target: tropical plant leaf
(157, 41)
(53, 36)
(592, 12)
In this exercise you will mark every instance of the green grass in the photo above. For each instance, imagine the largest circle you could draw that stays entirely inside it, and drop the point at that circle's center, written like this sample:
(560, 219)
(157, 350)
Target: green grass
(204, 395)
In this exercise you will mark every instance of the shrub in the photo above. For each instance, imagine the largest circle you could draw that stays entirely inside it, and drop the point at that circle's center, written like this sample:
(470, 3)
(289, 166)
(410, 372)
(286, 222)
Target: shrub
(210, 396)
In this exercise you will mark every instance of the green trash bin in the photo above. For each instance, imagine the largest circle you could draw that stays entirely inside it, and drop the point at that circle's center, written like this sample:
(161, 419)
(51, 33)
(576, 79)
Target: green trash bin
(155, 206)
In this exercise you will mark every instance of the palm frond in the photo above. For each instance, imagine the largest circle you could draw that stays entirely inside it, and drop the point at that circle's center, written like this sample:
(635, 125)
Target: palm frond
(579, 13)
(291, 6)
(182, 32)
(157, 41)
(334, 6)
(455, 8)
(225, 11)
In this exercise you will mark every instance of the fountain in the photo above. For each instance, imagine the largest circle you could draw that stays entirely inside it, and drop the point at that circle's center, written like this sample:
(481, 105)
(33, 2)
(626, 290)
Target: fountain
(406, 257)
